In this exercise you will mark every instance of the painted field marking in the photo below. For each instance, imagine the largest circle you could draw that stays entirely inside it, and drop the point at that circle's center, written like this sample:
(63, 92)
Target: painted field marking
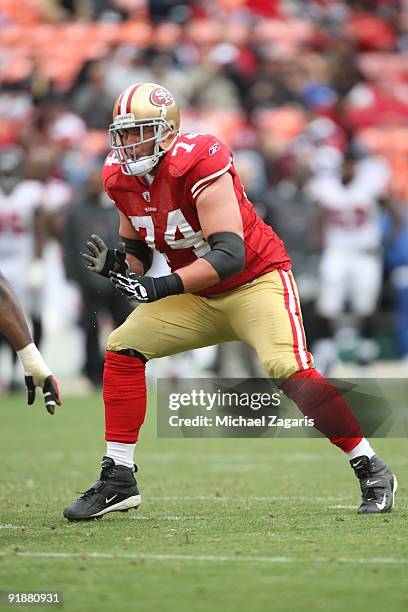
(257, 459)
(209, 558)
(10, 526)
(255, 498)
(342, 507)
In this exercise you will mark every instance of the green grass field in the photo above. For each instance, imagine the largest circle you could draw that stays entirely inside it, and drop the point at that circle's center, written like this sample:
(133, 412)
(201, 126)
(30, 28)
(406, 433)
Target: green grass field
(226, 525)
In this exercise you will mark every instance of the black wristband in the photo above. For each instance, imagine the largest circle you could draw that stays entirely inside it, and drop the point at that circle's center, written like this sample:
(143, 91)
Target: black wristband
(168, 285)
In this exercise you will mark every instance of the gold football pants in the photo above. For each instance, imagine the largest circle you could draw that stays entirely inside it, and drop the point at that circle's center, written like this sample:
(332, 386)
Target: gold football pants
(264, 313)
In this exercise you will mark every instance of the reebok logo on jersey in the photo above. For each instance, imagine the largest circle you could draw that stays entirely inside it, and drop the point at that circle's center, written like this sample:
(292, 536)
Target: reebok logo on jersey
(150, 209)
(214, 148)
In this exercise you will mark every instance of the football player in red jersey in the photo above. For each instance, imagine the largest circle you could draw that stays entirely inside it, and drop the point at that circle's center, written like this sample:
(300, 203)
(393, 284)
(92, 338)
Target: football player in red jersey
(13, 326)
(230, 280)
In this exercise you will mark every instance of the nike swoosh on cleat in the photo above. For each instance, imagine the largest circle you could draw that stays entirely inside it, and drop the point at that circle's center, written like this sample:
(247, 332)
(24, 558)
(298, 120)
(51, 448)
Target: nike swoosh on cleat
(382, 505)
(109, 500)
(357, 463)
(372, 482)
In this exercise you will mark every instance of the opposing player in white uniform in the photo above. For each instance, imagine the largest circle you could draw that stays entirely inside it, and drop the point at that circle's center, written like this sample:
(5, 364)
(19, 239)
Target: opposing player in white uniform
(21, 230)
(351, 263)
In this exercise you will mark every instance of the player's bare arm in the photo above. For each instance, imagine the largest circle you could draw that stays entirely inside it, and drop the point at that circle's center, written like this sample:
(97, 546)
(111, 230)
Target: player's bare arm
(396, 210)
(12, 321)
(40, 232)
(36, 271)
(14, 326)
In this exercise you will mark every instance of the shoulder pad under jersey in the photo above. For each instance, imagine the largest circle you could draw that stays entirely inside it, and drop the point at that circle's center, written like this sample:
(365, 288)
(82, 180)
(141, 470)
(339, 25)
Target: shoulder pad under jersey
(192, 148)
(110, 170)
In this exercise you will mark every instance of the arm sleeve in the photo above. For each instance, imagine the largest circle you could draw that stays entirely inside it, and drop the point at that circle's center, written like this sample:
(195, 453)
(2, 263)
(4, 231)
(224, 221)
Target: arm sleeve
(227, 255)
(140, 250)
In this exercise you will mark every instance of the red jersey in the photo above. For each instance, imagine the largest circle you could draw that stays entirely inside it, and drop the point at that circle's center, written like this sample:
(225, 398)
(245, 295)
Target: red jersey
(164, 211)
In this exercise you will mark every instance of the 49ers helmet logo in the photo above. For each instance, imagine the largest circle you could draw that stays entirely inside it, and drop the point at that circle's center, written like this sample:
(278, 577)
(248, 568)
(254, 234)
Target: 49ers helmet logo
(160, 96)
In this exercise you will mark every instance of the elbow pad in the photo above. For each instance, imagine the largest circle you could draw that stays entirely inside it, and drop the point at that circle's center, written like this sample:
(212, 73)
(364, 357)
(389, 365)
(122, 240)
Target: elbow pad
(227, 255)
(139, 249)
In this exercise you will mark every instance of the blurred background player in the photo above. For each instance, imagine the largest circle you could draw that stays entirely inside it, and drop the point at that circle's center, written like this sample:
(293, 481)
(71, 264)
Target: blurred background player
(396, 263)
(22, 236)
(14, 327)
(94, 212)
(351, 265)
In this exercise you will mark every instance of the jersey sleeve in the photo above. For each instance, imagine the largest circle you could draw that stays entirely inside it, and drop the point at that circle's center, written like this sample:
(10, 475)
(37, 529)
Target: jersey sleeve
(109, 173)
(58, 194)
(377, 174)
(34, 194)
(212, 161)
(314, 190)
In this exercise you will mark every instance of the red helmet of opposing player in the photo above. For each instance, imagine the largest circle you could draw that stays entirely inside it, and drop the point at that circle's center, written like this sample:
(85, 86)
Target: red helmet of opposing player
(140, 106)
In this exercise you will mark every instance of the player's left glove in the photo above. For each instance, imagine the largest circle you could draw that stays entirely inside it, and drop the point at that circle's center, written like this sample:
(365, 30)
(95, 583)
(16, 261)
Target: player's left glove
(101, 259)
(146, 288)
(38, 374)
(50, 391)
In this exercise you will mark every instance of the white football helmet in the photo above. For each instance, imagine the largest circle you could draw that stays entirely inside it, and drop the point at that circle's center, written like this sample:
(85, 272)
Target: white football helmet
(140, 106)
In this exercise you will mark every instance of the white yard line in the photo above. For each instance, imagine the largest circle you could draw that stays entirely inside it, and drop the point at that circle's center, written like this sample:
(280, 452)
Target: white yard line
(139, 517)
(350, 507)
(210, 558)
(247, 498)
(258, 459)
(342, 507)
(10, 526)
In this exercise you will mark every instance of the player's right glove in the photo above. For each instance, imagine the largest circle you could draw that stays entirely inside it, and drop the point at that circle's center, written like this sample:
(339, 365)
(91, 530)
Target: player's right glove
(103, 260)
(146, 288)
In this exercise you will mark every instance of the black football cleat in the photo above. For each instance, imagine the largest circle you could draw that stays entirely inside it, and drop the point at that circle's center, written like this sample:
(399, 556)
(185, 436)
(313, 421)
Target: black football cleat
(377, 483)
(115, 491)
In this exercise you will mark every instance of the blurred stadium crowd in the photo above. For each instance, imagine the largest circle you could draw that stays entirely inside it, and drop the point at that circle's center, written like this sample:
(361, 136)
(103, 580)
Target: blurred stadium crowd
(298, 89)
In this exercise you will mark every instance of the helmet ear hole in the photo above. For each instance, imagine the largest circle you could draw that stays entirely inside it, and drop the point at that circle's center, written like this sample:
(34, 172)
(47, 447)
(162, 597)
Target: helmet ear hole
(172, 133)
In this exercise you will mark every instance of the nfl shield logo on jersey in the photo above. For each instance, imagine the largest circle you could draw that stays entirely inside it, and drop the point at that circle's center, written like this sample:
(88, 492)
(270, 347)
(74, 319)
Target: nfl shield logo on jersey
(146, 195)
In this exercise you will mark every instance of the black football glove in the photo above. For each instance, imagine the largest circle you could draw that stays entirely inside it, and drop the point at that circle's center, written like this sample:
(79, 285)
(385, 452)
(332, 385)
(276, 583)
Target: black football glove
(50, 391)
(146, 288)
(104, 260)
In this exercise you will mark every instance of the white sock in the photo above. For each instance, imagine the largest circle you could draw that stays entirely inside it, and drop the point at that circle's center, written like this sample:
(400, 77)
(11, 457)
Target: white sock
(363, 448)
(122, 454)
